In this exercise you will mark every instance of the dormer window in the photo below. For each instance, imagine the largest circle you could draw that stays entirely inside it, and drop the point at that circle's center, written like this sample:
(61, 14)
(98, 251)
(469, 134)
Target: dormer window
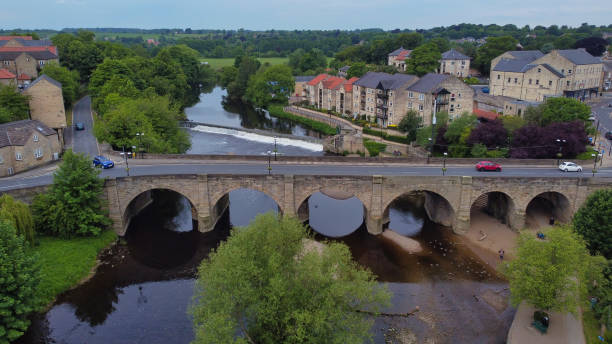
(35, 138)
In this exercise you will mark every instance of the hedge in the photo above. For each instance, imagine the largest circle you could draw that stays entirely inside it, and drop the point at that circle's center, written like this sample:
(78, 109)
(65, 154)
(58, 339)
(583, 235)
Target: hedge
(277, 111)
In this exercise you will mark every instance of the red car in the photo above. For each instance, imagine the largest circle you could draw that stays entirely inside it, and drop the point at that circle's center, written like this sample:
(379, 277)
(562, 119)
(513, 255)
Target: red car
(488, 166)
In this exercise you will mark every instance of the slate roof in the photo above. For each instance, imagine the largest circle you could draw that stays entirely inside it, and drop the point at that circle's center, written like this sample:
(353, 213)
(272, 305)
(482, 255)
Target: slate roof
(45, 77)
(526, 54)
(38, 55)
(579, 56)
(17, 133)
(28, 42)
(387, 81)
(5, 74)
(428, 83)
(511, 65)
(303, 78)
(344, 69)
(398, 51)
(454, 55)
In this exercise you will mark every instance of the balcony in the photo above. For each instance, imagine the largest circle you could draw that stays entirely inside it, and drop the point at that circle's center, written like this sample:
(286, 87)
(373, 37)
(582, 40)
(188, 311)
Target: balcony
(382, 95)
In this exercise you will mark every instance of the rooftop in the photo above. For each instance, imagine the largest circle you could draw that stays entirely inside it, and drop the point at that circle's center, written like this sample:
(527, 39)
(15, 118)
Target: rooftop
(386, 81)
(454, 55)
(428, 83)
(45, 77)
(318, 79)
(306, 78)
(5, 74)
(17, 133)
(399, 51)
(579, 56)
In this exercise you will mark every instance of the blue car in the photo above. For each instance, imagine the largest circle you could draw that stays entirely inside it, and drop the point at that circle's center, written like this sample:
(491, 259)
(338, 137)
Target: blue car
(485, 90)
(100, 161)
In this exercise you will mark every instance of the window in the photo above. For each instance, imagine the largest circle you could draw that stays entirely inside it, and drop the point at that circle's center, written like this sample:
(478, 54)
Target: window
(18, 156)
(41, 62)
(549, 82)
(516, 80)
(420, 107)
(410, 105)
(410, 95)
(458, 106)
(421, 97)
(568, 83)
(463, 62)
(7, 62)
(453, 63)
(562, 71)
(35, 138)
(10, 171)
(459, 95)
(569, 71)
(529, 81)
(537, 81)
(498, 76)
(390, 103)
(509, 80)
(38, 153)
(539, 70)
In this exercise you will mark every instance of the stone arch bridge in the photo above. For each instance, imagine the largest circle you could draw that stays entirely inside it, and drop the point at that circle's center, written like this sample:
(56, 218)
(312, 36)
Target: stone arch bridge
(448, 200)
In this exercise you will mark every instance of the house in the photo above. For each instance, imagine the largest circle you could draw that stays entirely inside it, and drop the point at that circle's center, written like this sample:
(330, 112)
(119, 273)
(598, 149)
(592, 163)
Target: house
(331, 93)
(440, 92)
(455, 63)
(26, 62)
(7, 78)
(382, 96)
(342, 72)
(300, 86)
(533, 76)
(47, 104)
(398, 58)
(26, 144)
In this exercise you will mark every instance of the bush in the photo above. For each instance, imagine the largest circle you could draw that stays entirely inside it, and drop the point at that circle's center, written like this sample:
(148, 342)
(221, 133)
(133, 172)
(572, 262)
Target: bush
(374, 148)
(594, 222)
(18, 215)
(457, 151)
(478, 150)
(497, 153)
(18, 280)
(277, 111)
(384, 135)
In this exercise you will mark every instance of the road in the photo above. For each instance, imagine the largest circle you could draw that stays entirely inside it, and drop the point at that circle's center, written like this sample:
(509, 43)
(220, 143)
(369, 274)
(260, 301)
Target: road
(83, 141)
(150, 168)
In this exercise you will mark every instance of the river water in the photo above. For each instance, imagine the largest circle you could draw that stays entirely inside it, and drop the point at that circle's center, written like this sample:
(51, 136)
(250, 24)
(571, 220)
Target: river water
(213, 109)
(142, 289)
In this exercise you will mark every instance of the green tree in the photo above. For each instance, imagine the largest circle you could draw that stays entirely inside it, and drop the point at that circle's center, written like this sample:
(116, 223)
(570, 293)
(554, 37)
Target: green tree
(69, 80)
(227, 75)
(564, 110)
(14, 103)
(237, 88)
(357, 69)
(72, 205)
(271, 84)
(442, 43)
(511, 123)
(494, 47)
(594, 222)
(410, 124)
(478, 150)
(19, 278)
(459, 129)
(424, 59)
(268, 283)
(18, 215)
(551, 274)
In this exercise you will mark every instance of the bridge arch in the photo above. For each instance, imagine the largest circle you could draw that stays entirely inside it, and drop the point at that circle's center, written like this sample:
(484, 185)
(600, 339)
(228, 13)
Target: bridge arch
(545, 205)
(221, 202)
(499, 205)
(437, 207)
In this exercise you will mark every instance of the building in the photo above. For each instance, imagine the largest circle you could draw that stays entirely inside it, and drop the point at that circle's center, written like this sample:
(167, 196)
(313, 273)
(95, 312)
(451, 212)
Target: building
(382, 96)
(7, 78)
(26, 144)
(533, 76)
(300, 86)
(47, 104)
(398, 58)
(23, 55)
(342, 72)
(455, 63)
(517, 107)
(443, 92)
(329, 92)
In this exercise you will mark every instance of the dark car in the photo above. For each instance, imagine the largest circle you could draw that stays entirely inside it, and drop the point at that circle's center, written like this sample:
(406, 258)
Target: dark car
(609, 135)
(485, 90)
(488, 166)
(79, 126)
(100, 161)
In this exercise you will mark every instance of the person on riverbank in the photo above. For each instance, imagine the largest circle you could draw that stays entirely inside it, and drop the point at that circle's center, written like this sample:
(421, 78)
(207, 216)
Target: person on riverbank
(501, 254)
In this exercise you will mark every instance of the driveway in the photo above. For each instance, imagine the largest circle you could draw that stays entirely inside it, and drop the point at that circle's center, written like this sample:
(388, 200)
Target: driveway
(83, 141)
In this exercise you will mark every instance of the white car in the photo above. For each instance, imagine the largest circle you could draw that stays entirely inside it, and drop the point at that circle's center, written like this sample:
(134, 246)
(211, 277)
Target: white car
(570, 167)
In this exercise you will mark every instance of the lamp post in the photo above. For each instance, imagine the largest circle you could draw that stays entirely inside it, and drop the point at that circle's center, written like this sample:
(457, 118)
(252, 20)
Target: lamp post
(444, 166)
(560, 142)
(127, 166)
(269, 166)
(275, 150)
(140, 135)
(594, 163)
(430, 149)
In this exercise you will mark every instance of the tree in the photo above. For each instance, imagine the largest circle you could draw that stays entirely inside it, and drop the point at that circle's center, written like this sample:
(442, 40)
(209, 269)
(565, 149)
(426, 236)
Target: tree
(13, 103)
(512, 123)
(269, 283)
(19, 278)
(72, 205)
(18, 215)
(491, 134)
(459, 127)
(536, 142)
(227, 75)
(69, 80)
(410, 124)
(550, 274)
(357, 69)
(272, 84)
(237, 88)
(424, 59)
(494, 47)
(594, 222)
(593, 45)
(564, 110)
(442, 43)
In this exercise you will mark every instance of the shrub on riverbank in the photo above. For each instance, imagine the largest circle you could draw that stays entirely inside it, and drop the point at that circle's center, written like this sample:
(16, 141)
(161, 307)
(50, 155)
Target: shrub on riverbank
(65, 262)
(277, 111)
(385, 136)
(373, 147)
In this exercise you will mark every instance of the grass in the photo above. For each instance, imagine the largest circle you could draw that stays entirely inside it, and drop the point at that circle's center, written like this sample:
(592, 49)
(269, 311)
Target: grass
(217, 63)
(590, 325)
(373, 147)
(384, 135)
(277, 111)
(65, 262)
(587, 155)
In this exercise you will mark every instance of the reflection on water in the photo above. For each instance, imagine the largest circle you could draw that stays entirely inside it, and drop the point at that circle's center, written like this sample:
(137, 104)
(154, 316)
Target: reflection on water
(141, 291)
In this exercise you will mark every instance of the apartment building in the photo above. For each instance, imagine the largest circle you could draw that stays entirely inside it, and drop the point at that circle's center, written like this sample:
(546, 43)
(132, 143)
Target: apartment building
(331, 93)
(301, 85)
(382, 96)
(533, 76)
(397, 58)
(443, 92)
(455, 63)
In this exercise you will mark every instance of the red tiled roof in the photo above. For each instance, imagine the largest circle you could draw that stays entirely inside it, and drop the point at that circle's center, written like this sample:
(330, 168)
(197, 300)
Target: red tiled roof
(5, 74)
(348, 85)
(24, 76)
(403, 55)
(8, 38)
(50, 48)
(491, 116)
(318, 79)
(333, 82)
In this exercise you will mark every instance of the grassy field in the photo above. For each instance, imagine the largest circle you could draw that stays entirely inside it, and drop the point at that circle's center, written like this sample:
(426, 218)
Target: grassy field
(217, 63)
(64, 263)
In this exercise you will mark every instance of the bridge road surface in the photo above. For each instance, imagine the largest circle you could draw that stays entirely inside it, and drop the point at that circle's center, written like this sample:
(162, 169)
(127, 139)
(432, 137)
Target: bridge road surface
(259, 167)
(83, 141)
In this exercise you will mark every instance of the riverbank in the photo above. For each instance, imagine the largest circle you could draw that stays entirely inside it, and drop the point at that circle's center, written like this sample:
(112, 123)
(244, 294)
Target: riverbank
(67, 263)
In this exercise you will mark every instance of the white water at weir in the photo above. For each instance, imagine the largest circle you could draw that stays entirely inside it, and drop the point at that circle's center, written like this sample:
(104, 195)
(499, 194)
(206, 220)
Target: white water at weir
(248, 136)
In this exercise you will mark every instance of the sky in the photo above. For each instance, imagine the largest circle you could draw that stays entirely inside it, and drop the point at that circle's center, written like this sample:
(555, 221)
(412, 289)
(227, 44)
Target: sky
(298, 14)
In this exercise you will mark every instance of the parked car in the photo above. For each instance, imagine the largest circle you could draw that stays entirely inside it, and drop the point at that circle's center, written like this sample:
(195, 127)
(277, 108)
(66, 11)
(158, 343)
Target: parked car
(485, 90)
(488, 166)
(567, 166)
(609, 135)
(100, 161)
(79, 126)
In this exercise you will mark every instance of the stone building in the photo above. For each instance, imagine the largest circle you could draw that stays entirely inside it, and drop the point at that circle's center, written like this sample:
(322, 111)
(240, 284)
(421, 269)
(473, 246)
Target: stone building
(382, 96)
(533, 76)
(446, 92)
(26, 144)
(455, 63)
(300, 86)
(398, 58)
(26, 62)
(329, 92)
(47, 104)
(517, 107)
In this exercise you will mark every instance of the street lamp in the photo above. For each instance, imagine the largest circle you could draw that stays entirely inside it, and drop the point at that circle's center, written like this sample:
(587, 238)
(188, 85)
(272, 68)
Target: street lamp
(140, 135)
(595, 163)
(275, 150)
(430, 149)
(560, 142)
(269, 166)
(444, 166)
(127, 166)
